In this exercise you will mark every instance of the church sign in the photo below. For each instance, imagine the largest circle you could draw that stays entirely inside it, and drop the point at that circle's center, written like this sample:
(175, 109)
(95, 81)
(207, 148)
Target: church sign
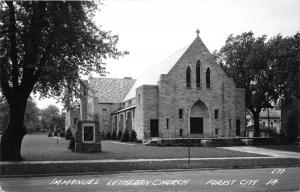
(88, 138)
(88, 134)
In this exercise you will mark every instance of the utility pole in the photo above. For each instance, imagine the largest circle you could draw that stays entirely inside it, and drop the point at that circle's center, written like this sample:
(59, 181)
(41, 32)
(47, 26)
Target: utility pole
(189, 142)
(189, 161)
(269, 122)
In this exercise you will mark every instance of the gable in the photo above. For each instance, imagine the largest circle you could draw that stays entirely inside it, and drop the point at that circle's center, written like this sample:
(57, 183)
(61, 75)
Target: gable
(194, 51)
(197, 52)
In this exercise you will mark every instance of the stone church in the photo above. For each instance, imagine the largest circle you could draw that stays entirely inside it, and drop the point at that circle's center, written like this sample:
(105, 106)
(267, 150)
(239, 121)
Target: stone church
(186, 95)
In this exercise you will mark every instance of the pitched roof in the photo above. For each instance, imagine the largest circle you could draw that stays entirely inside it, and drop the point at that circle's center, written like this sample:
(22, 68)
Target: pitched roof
(273, 113)
(152, 75)
(110, 90)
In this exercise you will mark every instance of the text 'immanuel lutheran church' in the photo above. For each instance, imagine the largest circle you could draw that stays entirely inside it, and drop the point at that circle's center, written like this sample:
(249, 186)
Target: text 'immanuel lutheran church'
(187, 94)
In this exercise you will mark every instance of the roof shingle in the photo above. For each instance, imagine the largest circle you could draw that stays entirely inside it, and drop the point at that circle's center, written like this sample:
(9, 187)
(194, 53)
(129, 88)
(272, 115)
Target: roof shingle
(110, 90)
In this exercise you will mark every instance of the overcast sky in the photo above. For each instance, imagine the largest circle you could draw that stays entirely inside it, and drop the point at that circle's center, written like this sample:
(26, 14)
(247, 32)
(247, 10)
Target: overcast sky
(151, 30)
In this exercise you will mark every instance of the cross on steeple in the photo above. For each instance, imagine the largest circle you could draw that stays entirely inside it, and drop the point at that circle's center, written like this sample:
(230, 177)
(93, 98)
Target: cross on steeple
(197, 31)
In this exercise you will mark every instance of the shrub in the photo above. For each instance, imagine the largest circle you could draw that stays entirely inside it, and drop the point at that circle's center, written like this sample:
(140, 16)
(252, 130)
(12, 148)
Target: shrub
(68, 134)
(108, 136)
(132, 136)
(292, 125)
(72, 144)
(114, 135)
(125, 136)
(50, 134)
(62, 134)
(103, 136)
(56, 132)
(119, 135)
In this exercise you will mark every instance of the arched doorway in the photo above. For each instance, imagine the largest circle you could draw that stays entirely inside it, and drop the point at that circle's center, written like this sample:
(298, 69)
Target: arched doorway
(199, 119)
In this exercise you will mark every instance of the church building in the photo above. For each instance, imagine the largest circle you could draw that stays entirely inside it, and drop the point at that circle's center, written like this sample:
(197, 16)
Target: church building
(186, 95)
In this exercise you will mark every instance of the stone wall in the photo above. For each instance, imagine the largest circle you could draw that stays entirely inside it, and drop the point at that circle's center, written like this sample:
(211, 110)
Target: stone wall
(229, 117)
(150, 106)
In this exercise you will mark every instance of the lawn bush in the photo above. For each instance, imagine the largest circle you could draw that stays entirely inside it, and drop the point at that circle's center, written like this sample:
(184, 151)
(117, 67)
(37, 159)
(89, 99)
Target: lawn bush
(72, 144)
(132, 136)
(62, 134)
(125, 136)
(114, 135)
(50, 134)
(119, 135)
(103, 135)
(68, 134)
(108, 136)
(56, 132)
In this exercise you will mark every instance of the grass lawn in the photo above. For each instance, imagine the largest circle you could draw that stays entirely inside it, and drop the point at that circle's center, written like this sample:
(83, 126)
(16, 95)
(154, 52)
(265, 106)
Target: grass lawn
(293, 148)
(43, 148)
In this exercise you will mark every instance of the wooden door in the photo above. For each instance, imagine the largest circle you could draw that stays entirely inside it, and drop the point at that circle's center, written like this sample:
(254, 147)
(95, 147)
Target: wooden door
(196, 125)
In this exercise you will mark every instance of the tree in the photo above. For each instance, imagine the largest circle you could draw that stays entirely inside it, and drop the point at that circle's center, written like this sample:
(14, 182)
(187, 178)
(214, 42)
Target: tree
(44, 47)
(68, 134)
(31, 120)
(285, 56)
(246, 59)
(52, 119)
(32, 117)
(49, 117)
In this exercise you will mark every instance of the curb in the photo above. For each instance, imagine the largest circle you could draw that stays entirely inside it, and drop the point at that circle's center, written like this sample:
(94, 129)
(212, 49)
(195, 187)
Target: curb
(17, 169)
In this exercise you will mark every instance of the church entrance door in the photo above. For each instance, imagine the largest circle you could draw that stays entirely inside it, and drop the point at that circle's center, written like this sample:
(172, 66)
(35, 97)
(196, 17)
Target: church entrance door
(196, 125)
(199, 120)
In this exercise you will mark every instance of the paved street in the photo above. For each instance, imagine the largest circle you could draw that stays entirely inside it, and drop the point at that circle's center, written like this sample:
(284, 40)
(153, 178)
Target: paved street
(268, 179)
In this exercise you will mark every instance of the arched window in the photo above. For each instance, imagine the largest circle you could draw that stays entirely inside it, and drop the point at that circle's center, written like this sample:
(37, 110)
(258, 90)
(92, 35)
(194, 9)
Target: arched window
(188, 76)
(208, 78)
(198, 73)
(139, 99)
(180, 113)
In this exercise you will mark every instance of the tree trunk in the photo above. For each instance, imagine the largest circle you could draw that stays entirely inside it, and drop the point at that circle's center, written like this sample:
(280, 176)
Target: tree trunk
(12, 138)
(256, 124)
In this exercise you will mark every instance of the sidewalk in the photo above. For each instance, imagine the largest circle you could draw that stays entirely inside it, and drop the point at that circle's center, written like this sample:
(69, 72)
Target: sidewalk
(264, 151)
